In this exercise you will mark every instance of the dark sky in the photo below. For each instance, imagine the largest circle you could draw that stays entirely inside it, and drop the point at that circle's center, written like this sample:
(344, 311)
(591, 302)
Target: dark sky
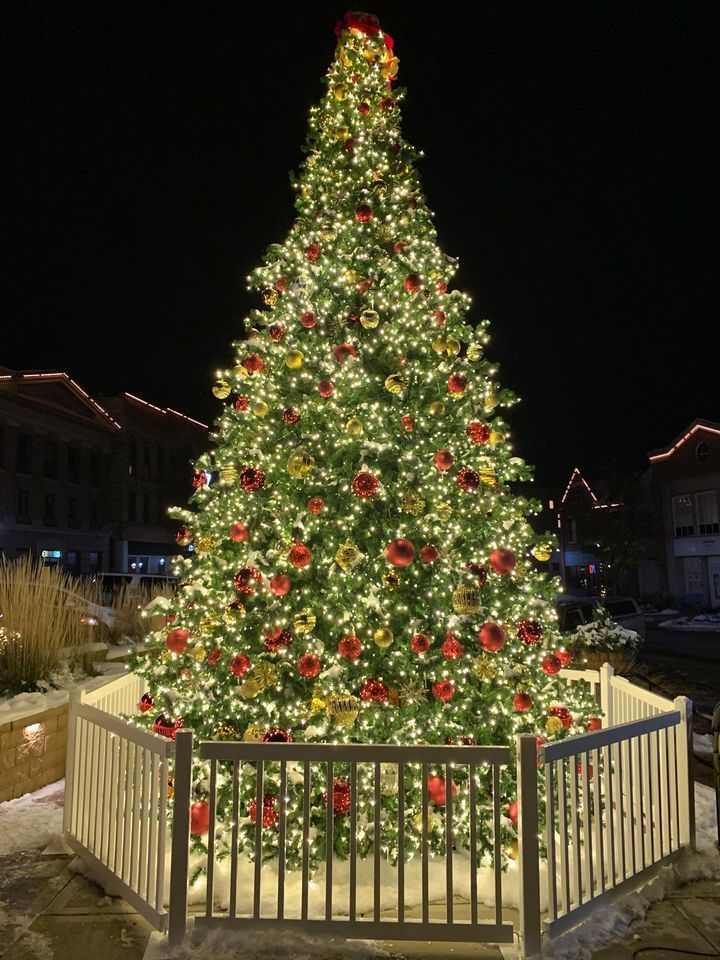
(569, 159)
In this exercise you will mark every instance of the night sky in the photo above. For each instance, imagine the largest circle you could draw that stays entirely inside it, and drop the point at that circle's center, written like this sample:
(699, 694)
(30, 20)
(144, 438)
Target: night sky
(570, 162)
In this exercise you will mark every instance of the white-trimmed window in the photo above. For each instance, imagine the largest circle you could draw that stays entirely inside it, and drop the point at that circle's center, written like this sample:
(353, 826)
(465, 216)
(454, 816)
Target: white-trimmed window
(683, 515)
(707, 513)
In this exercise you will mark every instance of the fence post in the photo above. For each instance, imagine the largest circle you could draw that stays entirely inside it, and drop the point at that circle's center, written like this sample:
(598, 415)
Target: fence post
(68, 803)
(180, 839)
(528, 849)
(606, 693)
(686, 785)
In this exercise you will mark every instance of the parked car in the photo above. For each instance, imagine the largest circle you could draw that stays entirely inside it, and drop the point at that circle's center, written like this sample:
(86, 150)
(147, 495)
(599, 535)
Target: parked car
(573, 612)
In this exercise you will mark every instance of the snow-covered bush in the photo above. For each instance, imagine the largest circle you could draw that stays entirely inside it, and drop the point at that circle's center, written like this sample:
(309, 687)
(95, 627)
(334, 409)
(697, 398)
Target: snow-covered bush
(603, 634)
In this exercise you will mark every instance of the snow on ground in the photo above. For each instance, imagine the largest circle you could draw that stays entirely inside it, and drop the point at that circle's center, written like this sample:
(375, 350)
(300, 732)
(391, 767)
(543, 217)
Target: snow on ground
(700, 622)
(32, 821)
(15, 924)
(271, 944)
(702, 744)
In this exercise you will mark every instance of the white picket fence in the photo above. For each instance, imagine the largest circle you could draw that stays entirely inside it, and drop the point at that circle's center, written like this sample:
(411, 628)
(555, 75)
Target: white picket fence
(618, 803)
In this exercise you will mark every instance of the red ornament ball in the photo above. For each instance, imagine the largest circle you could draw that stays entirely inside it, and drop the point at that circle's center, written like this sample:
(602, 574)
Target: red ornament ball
(350, 647)
(199, 818)
(594, 723)
(252, 478)
(522, 702)
(349, 145)
(565, 657)
(563, 715)
(443, 459)
(270, 815)
(246, 578)
(282, 283)
(276, 735)
(183, 537)
(341, 796)
(467, 479)
(214, 657)
(442, 287)
(308, 320)
(299, 555)
(277, 332)
(429, 553)
(363, 213)
(343, 351)
(239, 664)
(457, 383)
(550, 665)
(420, 643)
(400, 553)
(275, 639)
(478, 432)
(452, 648)
(325, 388)
(412, 283)
(290, 415)
(374, 690)
(238, 532)
(443, 690)
(242, 403)
(199, 479)
(437, 793)
(280, 584)
(146, 702)
(312, 252)
(408, 424)
(316, 505)
(253, 363)
(478, 570)
(177, 640)
(439, 317)
(502, 561)
(492, 637)
(529, 631)
(363, 108)
(512, 809)
(167, 728)
(365, 484)
(399, 246)
(309, 665)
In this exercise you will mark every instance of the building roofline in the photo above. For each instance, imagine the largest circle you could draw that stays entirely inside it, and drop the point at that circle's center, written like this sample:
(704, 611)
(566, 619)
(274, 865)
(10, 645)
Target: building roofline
(165, 411)
(662, 453)
(47, 376)
(575, 475)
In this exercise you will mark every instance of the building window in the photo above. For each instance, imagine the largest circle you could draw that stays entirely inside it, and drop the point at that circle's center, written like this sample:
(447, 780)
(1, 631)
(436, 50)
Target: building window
(683, 516)
(572, 530)
(73, 464)
(72, 562)
(132, 505)
(707, 513)
(73, 518)
(50, 460)
(23, 506)
(24, 453)
(95, 470)
(95, 561)
(702, 451)
(132, 457)
(49, 512)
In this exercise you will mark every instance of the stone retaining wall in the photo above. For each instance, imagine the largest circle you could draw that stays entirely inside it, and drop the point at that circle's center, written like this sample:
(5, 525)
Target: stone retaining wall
(32, 752)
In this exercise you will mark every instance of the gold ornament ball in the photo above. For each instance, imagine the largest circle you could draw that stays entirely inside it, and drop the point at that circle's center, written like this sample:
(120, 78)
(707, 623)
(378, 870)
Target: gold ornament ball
(240, 371)
(232, 614)
(294, 359)
(443, 510)
(198, 654)
(300, 463)
(221, 389)
(413, 503)
(265, 675)
(205, 544)
(553, 725)
(270, 297)
(542, 552)
(466, 600)
(354, 427)
(484, 668)
(228, 474)
(369, 319)
(226, 731)
(383, 638)
(341, 133)
(249, 689)
(341, 91)
(439, 345)
(487, 475)
(351, 276)
(383, 233)
(436, 408)
(394, 383)
(495, 438)
(304, 621)
(259, 408)
(328, 233)
(343, 710)
(209, 622)
(379, 187)
(347, 556)
(490, 402)
(254, 733)
(452, 347)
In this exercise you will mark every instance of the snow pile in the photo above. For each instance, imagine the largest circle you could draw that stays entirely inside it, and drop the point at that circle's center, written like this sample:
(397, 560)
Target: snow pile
(700, 622)
(15, 927)
(271, 944)
(33, 820)
(56, 693)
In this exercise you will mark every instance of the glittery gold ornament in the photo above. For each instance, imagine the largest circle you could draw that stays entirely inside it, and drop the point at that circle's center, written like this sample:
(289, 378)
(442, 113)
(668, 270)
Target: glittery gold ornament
(232, 614)
(343, 710)
(294, 359)
(249, 689)
(221, 389)
(228, 474)
(553, 725)
(466, 600)
(341, 133)
(304, 621)
(270, 297)
(495, 438)
(351, 276)
(254, 733)
(484, 668)
(226, 731)
(166, 656)
(383, 638)
(391, 580)
(265, 674)
(487, 475)
(542, 552)
(436, 408)
(369, 319)
(443, 510)
(341, 91)
(300, 463)
(413, 503)
(394, 383)
(328, 233)
(198, 654)
(379, 187)
(205, 543)
(259, 408)
(312, 159)
(209, 622)
(348, 555)
(412, 693)
(354, 427)
(383, 233)
(474, 352)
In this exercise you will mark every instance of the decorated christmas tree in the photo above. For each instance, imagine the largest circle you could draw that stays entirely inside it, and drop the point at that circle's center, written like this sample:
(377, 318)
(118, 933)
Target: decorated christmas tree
(361, 570)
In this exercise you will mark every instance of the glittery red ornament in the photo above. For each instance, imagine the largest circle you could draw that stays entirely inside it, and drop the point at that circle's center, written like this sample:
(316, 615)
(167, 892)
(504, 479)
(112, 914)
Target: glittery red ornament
(183, 537)
(309, 665)
(277, 331)
(170, 617)
(439, 317)
(550, 665)
(238, 532)
(177, 640)
(253, 363)
(412, 283)
(290, 415)
(246, 578)
(167, 728)
(352, 319)
(350, 647)
(522, 702)
(312, 251)
(277, 735)
(299, 555)
(365, 484)
(280, 584)
(270, 815)
(563, 715)
(452, 648)
(408, 424)
(325, 388)
(457, 383)
(374, 690)
(492, 637)
(387, 103)
(147, 702)
(252, 478)
(363, 108)
(443, 690)
(282, 283)
(437, 793)
(341, 796)
(343, 351)
(199, 818)
(529, 631)
(429, 553)
(399, 246)
(242, 403)
(316, 505)
(478, 432)
(467, 479)
(565, 657)
(478, 570)
(308, 320)
(400, 553)
(273, 640)
(442, 287)
(199, 479)
(443, 459)
(214, 657)
(364, 286)
(594, 723)
(502, 560)
(239, 665)
(363, 213)
(420, 643)
(349, 145)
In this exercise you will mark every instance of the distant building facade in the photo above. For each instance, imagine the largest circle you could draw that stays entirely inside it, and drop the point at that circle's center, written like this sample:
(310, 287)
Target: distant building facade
(86, 487)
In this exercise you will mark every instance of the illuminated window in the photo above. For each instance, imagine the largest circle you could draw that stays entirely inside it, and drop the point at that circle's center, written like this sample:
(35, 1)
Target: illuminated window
(707, 513)
(684, 516)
